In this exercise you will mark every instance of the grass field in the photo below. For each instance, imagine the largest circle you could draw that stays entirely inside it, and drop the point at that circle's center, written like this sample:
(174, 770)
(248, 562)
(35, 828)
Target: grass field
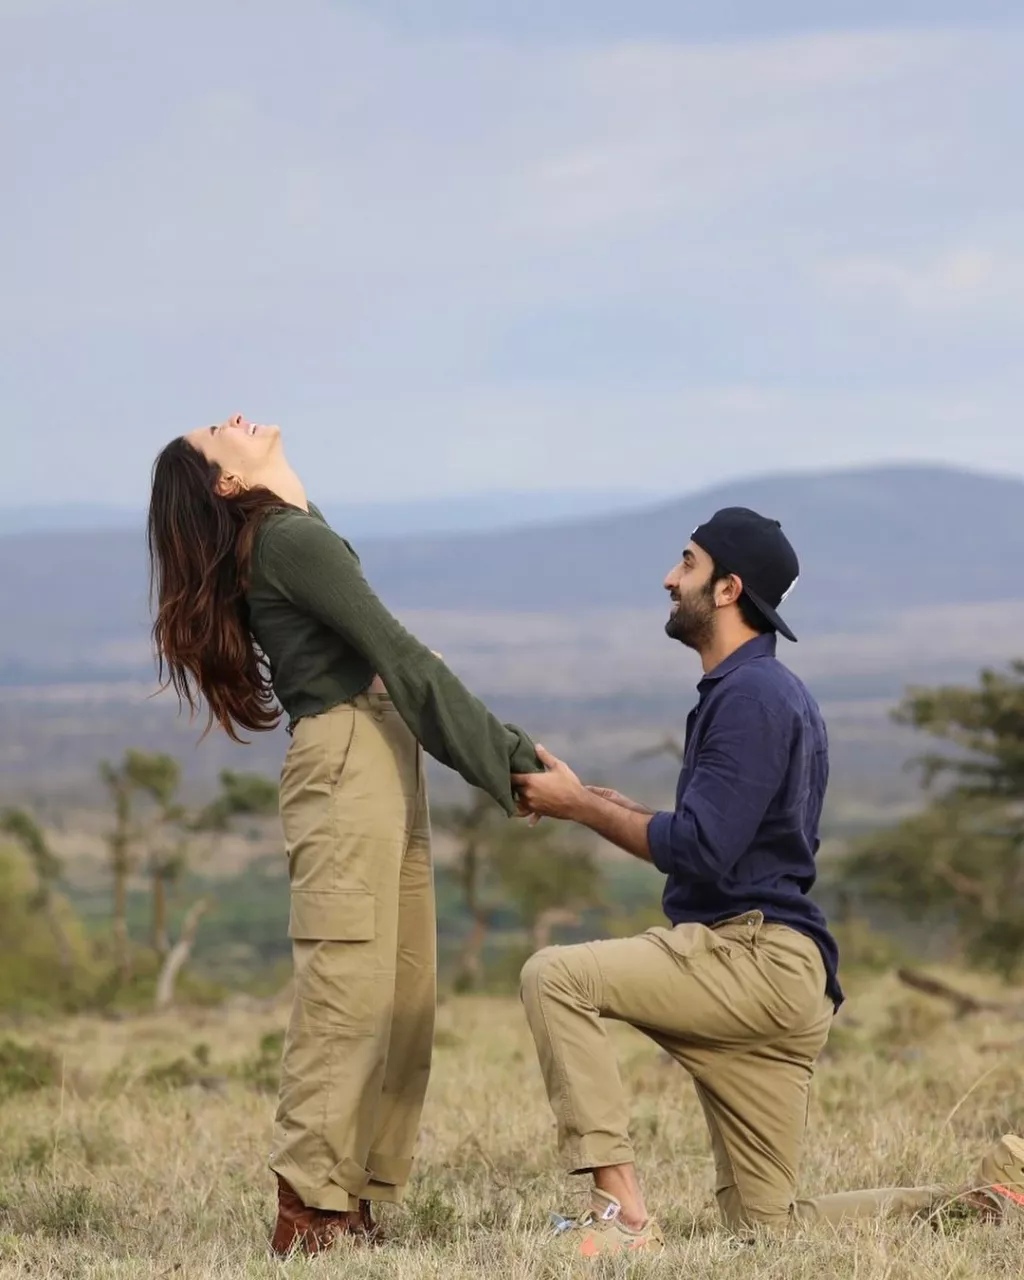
(147, 1157)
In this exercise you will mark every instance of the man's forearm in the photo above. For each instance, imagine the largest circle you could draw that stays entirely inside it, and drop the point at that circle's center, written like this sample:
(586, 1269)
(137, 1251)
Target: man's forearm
(626, 828)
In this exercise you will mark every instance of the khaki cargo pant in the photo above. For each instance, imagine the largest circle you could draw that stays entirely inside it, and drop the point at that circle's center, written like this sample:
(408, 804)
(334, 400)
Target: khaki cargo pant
(358, 1047)
(742, 1007)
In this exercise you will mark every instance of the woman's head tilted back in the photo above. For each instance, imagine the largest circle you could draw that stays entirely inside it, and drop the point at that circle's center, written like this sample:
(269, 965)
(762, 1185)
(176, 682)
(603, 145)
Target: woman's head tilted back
(210, 490)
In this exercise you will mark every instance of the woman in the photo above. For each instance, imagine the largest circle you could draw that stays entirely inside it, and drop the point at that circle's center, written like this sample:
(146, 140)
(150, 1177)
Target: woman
(260, 603)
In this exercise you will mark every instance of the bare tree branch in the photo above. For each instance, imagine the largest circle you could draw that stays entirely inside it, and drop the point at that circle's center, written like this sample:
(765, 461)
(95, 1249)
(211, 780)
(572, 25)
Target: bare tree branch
(669, 746)
(178, 955)
(963, 1003)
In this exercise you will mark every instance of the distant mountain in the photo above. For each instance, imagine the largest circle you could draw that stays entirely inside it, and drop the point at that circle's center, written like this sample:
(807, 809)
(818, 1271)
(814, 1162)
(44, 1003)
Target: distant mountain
(870, 541)
(459, 514)
(873, 543)
(66, 517)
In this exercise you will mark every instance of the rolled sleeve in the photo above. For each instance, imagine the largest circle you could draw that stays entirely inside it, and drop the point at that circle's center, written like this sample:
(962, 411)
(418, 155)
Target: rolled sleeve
(659, 841)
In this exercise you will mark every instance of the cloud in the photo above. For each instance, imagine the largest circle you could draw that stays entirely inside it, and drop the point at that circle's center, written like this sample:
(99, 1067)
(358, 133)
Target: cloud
(958, 284)
(303, 213)
(680, 440)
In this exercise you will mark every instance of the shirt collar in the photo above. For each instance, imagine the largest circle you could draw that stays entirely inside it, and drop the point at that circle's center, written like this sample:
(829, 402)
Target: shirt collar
(763, 646)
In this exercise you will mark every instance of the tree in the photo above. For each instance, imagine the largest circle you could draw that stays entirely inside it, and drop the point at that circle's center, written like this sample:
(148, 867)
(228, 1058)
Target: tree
(178, 955)
(471, 824)
(167, 831)
(157, 777)
(544, 874)
(241, 794)
(547, 874)
(961, 860)
(46, 961)
(119, 841)
(668, 746)
(985, 725)
(46, 866)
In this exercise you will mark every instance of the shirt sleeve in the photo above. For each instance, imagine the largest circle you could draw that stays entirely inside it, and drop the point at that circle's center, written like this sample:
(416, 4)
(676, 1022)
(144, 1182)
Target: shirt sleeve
(317, 572)
(738, 771)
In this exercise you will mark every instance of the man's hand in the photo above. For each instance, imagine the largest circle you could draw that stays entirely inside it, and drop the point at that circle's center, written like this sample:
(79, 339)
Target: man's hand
(616, 797)
(556, 793)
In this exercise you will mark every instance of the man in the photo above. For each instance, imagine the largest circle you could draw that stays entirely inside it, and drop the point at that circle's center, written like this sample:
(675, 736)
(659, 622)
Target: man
(741, 989)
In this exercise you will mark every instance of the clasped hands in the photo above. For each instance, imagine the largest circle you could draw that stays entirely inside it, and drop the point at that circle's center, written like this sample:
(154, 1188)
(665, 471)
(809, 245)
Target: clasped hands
(558, 792)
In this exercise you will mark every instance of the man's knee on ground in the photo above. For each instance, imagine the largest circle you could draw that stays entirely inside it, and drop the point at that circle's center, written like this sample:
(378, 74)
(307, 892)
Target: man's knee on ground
(748, 1220)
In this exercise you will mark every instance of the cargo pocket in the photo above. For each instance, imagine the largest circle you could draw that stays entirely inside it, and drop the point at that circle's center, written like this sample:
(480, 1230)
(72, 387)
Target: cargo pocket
(333, 933)
(319, 915)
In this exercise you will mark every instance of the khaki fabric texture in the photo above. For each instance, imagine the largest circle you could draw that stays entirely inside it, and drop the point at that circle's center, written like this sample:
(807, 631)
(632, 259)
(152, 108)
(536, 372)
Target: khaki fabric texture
(358, 1047)
(742, 1007)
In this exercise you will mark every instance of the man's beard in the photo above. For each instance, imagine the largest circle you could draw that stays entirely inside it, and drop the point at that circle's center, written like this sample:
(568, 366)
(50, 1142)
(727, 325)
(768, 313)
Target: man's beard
(693, 622)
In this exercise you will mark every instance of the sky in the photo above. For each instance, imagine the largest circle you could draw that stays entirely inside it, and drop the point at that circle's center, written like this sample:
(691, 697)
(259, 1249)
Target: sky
(471, 245)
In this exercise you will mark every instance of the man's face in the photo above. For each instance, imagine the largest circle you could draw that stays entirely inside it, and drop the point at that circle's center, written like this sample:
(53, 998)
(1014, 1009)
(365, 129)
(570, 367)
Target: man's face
(692, 620)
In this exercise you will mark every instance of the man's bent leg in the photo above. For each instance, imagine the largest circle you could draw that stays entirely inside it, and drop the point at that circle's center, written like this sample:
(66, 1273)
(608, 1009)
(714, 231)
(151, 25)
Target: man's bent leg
(563, 993)
(842, 1206)
(567, 991)
(755, 1093)
(727, 1195)
(755, 1104)
(722, 1001)
(682, 984)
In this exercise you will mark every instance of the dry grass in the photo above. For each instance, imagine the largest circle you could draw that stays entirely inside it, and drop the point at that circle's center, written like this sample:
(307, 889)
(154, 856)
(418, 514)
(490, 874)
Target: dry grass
(113, 1174)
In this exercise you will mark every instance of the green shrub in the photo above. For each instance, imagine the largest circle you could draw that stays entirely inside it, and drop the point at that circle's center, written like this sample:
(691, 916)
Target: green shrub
(72, 1211)
(262, 1069)
(25, 1068)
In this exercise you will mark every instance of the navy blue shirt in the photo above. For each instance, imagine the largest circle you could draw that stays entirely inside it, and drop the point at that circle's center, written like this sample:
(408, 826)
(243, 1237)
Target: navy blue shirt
(744, 833)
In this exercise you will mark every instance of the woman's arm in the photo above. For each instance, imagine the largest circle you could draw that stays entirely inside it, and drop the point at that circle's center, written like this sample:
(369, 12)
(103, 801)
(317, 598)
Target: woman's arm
(319, 573)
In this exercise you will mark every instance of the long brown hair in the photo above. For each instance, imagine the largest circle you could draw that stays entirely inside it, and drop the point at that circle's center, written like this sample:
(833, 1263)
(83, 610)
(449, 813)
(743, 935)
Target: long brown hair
(200, 548)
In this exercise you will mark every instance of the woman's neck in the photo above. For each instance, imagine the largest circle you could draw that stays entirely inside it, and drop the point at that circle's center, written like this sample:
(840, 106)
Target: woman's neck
(286, 484)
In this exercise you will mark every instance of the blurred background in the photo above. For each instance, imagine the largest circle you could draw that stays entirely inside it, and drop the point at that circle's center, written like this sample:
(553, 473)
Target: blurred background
(531, 290)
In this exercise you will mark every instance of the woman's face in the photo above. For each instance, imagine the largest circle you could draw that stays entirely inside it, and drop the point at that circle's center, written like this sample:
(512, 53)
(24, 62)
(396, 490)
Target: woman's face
(241, 449)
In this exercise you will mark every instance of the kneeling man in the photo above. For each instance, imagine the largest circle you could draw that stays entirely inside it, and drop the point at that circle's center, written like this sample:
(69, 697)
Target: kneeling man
(742, 986)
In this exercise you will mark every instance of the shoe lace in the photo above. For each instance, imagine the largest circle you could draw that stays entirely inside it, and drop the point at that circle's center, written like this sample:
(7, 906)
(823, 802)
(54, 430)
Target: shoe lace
(562, 1224)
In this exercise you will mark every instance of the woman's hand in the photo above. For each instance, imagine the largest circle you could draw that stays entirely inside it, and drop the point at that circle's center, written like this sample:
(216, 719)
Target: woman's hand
(553, 793)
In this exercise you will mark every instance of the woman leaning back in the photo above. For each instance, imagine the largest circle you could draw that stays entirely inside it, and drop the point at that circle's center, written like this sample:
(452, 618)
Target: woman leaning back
(260, 603)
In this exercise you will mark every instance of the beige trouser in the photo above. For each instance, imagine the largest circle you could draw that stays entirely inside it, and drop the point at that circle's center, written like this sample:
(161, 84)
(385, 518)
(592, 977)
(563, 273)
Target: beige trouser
(743, 1008)
(358, 1047)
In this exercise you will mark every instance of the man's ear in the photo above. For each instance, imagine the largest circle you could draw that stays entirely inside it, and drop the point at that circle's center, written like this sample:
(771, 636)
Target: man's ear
(729, 590)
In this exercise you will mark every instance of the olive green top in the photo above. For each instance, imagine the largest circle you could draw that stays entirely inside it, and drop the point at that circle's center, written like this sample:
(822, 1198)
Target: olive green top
(325, 635)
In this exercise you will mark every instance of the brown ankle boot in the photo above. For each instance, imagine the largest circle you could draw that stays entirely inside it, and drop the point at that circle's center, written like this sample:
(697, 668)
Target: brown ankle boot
(366, 1226)
(299, 1227)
